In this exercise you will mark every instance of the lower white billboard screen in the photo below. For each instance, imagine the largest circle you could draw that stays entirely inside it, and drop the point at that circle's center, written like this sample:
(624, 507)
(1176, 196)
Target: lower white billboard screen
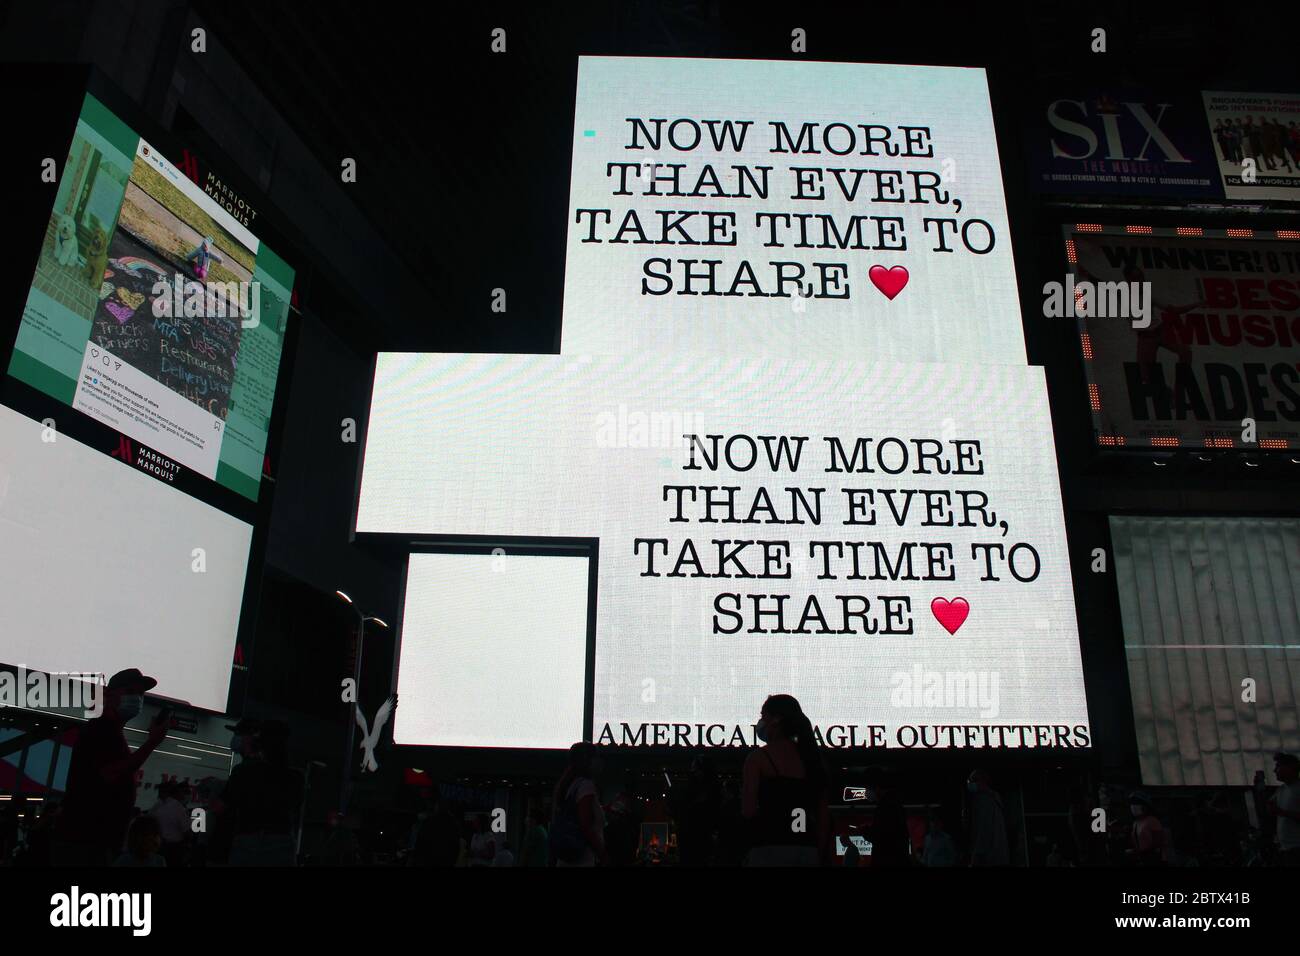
(883, 541)
(494, 651)
(102, 568)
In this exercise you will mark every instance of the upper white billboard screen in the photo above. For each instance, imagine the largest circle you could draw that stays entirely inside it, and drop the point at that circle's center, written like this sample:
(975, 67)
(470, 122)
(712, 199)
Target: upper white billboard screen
(756, 207)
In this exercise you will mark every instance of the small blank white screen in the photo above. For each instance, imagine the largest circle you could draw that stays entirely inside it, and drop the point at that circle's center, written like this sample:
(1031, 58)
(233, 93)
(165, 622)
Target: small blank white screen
(494, 651)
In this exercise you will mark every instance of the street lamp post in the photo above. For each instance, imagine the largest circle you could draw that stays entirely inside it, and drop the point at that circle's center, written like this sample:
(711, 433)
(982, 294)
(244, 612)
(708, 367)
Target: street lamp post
(346, 792)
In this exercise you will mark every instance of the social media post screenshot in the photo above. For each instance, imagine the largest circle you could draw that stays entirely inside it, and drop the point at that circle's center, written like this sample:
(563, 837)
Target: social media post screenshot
(155, 310)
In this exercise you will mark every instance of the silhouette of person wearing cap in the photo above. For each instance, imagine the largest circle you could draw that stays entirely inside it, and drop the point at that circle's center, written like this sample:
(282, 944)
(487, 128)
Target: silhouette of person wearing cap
(101, 776)
(260, 800)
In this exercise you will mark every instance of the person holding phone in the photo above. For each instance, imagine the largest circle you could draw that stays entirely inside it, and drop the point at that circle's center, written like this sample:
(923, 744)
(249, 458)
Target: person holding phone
(101, 776)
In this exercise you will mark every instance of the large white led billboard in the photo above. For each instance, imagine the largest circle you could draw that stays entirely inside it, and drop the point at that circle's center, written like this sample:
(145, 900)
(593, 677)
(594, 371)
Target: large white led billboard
(106, 568)
(884, 541)
(759, 207)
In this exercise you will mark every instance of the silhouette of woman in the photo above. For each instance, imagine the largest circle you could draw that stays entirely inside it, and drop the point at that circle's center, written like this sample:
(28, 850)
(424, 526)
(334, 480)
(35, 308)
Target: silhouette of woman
(784, 789)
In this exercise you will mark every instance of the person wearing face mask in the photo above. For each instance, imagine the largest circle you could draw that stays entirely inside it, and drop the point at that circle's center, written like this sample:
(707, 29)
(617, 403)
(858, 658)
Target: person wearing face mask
(243, 736)
(220, 833)
(783, 796)
(101, 775)
(261, 798)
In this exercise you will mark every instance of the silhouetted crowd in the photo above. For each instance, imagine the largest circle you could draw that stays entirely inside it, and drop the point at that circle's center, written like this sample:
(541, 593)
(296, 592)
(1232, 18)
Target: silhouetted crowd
(777, 813)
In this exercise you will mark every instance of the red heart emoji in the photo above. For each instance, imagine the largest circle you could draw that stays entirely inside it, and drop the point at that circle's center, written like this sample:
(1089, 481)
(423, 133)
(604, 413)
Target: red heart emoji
(951, 614)
(888, 281)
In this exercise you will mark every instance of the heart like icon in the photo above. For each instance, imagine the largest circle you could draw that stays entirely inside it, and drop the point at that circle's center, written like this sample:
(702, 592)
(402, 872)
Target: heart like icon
(888, 281)
(951, 614)
(94, 353)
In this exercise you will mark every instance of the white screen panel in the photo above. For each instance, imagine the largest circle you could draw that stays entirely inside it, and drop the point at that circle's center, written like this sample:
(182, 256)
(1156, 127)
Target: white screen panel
(100, 573)
(494, 651)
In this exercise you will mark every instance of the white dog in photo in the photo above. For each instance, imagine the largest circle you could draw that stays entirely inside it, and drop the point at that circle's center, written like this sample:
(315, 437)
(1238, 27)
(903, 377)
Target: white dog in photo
(65, 241)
